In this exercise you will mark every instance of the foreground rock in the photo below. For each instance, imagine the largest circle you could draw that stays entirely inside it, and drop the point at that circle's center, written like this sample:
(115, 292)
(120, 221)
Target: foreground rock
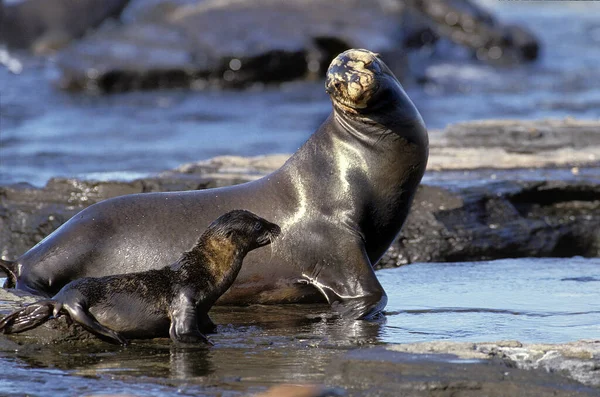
(420, 370)
(165, 44)
(578, 360)
(460, 213)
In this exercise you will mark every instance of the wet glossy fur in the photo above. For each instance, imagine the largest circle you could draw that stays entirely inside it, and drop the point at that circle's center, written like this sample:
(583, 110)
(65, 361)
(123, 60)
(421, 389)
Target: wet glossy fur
(171, 301)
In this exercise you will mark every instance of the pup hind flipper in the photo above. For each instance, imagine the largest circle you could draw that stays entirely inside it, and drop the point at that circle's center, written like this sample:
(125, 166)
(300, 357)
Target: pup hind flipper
(80, 316)
(29, 317)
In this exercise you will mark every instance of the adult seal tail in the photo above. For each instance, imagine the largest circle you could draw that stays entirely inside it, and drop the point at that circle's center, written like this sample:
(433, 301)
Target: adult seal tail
(340, 200)
(173, 301)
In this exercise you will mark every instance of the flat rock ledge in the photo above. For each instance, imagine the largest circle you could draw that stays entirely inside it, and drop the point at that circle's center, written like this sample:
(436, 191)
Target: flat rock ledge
(579, 360)
(470, 369)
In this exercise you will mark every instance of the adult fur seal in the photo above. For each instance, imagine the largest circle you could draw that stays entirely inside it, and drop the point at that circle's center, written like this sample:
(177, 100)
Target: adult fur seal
(173, 301)
(340, 200)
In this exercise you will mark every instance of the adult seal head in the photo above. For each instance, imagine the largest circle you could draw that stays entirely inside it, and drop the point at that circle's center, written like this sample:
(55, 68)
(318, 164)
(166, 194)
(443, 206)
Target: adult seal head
(173, 301)
(340, 200)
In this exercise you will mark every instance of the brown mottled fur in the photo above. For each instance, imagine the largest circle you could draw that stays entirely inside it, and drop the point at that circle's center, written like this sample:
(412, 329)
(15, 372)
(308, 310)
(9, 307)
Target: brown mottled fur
(174, 300)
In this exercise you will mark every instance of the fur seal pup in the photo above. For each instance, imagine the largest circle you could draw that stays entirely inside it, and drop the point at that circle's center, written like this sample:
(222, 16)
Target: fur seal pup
(340, 200)
(173, 301)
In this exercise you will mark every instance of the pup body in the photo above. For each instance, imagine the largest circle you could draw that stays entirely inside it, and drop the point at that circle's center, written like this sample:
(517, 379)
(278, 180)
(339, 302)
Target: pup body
(173, 301)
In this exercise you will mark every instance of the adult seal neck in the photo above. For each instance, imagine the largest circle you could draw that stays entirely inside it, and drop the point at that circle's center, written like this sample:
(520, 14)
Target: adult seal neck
(373, 149)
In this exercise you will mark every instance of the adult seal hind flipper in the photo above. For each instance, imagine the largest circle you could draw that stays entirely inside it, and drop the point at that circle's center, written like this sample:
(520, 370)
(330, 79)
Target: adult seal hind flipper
(340, 200)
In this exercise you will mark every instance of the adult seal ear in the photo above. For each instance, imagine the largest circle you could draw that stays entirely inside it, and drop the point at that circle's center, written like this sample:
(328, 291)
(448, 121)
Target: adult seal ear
(340, 200)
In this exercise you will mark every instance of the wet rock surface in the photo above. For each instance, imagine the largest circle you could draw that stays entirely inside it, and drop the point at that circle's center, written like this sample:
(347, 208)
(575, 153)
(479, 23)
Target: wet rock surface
(552, 208)
(390, 371)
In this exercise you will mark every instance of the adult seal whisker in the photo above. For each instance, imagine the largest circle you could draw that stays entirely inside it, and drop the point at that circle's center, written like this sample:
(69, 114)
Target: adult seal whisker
(340, 200)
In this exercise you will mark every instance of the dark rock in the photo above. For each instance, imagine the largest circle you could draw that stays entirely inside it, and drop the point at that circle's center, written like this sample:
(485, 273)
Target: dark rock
(47, 25)
(467, 24)
(448, 221)
(229, 44)
(40, 211)
(500, 220)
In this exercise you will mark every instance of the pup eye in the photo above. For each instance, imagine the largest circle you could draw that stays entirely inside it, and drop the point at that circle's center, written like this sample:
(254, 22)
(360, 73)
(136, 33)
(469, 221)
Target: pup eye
(257, 226)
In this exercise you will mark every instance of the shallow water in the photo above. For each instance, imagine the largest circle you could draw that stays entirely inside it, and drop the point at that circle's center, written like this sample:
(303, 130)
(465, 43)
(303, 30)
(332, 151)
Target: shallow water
(46, 132)
(531, 300)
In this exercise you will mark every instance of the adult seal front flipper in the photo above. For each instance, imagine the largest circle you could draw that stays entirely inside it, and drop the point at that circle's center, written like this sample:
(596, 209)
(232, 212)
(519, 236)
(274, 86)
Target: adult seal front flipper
(357, 295)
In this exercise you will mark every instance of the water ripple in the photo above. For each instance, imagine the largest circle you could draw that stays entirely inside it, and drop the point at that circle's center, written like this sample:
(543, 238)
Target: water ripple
(487, 310)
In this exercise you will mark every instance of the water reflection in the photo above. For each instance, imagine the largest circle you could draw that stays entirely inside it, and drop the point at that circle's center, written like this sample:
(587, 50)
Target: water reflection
(254, 345)
(189, 363)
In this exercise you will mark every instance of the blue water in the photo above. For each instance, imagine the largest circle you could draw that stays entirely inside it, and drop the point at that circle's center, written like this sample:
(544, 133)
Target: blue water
(530, 300)
(550, 300)
(45, 132)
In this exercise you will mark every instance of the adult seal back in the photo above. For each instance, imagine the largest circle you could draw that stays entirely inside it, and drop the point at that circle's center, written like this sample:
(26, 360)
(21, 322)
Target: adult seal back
(173, 301)
(340, 200)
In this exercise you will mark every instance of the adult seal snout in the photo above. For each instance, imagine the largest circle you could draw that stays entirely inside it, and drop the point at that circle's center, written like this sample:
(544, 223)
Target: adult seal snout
(352, 80)
(340, 200)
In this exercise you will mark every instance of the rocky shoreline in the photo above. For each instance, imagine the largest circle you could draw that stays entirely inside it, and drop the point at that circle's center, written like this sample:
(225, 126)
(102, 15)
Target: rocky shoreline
(481, 198)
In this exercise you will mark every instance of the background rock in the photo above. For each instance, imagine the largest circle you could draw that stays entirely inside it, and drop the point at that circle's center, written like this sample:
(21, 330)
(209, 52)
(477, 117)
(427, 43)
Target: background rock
(230, 43)
(47, 25)
(236, 43)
